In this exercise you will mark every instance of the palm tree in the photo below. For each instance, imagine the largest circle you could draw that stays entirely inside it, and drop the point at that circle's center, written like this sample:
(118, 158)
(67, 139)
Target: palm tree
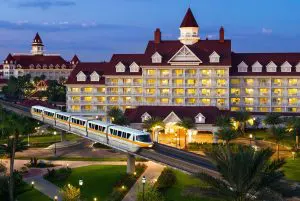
(14, 143)
(186, 123)
(273, 119)
(242, 118)
(294, 124)
(245, 174)
(227, 135)
(153, 124)
(278, 134)
(224, 121)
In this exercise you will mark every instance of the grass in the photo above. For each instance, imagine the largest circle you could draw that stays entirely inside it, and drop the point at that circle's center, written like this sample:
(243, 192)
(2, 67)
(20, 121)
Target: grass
(82, 159)
(98, 181)
(32, 194)
(264, 134)
(175, 193)
(291, 169)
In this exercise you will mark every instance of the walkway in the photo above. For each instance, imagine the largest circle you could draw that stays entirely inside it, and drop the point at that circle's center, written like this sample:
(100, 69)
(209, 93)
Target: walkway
(151, 173)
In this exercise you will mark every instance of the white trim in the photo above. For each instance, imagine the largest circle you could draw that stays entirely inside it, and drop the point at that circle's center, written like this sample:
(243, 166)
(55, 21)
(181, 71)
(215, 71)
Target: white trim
(95, 77)
(257, 67)
(198, 120)
(156, 58)
(120, 67)
(214, 57)
(186, 50)
(172, 113)
(145, 116)
(271, 67)
(134, 67)
(81, 77)
(242, 67)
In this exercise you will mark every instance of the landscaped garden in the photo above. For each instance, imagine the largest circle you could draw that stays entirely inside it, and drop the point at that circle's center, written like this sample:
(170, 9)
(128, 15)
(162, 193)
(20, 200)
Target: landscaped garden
(99, 181)
(32, 194)
(292, 170)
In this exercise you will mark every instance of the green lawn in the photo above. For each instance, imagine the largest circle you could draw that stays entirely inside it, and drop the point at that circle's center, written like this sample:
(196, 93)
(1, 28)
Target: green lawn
(292, 170)
(46, 140)
(289, 139)
(33, 195)
(183, 181)
(99, 180)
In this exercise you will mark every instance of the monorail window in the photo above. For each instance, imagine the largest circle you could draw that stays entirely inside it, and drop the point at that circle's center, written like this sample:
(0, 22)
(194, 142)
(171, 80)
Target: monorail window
(119, 133)
(143, 138)
(96, 127)
(103, 129)
(128, 135)
(124, 135)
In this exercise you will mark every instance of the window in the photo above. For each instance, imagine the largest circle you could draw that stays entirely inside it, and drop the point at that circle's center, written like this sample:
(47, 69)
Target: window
(235, 81)
(235, 91)
(134, 67)
(120, 67)
(271, 67)
(242, 67)
(81, 77)
(214, 58)
(256, 67)
(156, 58)
(286, 67)
(95, 77)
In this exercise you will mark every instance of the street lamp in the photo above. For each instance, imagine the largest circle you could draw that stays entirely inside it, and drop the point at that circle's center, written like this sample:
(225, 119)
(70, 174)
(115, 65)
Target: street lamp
(55, 198)
(80, 183)
(250, 137)
(293, 153)
(54, 142)
(95, 199)
(32, 184)
(144, 182)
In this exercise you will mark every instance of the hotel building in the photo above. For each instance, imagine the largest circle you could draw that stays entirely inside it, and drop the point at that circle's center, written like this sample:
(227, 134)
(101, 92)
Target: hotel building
(191, 72)
(37, 63)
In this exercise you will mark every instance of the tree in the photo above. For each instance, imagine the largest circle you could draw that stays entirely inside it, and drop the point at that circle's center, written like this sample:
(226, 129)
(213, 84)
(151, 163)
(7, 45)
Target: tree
(18, 88)
(278, 134)
(186, 123)
(246, 175)
(117, 116)
(70, 193)
(152, 124)
(293, 123)
(14, 141)
(224, 121)
(273, 119)
(256, 122)
(242, 118)
(56, 92)
(227, 134)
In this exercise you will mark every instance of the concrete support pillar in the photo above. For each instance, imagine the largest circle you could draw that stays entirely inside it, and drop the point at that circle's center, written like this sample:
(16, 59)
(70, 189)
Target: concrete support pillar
(63, 136)
(130, 164)
(156, 136)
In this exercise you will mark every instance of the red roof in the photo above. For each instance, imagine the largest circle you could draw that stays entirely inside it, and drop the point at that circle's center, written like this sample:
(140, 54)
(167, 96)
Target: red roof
(9, 58)
(264, 59)
(189, 20)
(26, 60)
(202, 49)
(88, 69)
(209, 112)
(75, 59)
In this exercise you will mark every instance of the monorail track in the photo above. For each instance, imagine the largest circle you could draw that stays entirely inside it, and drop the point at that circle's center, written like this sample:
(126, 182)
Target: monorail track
(166, 155)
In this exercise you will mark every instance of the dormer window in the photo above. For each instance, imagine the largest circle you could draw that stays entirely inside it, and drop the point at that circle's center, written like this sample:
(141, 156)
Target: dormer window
(51, 66)
(134, 68)
(63, 66)
(44, 66)
(120, 68)
(81, 77)
(38, 66)
(95, 77)
(242, 67)
(31, 66)
(145, 117)
(214, 58)
(286, 67)
(271, 67)
(57, 66)
(257, 67)
(156, 58)
(200, 119)
(298, 67)
(19, 66)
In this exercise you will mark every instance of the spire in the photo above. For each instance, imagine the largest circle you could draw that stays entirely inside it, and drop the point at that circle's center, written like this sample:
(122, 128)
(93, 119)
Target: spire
(9, 58)
(37, 45)
(75, 60)
(189, 20)
(37, 40)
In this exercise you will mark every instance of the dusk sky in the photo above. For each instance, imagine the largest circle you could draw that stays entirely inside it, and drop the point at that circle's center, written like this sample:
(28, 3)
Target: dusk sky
(95, 29)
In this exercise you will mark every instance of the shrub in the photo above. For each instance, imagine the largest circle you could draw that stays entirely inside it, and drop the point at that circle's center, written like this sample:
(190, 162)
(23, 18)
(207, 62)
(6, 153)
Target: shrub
(150, 194)
(98, 145)
(57, 175)
(166, 180)
(70, 193)
(2, 169)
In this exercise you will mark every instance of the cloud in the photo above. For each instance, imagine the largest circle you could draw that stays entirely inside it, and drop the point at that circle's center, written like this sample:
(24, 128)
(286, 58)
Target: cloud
(64, 26)
(46, 4)
(266, 31)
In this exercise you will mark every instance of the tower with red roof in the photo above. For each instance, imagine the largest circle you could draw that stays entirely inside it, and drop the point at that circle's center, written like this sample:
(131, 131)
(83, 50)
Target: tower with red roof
(189, 29)
(37, 45)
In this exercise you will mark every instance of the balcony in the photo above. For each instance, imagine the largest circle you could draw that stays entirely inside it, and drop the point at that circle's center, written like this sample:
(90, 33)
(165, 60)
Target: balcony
(190, 75)
(191, 95)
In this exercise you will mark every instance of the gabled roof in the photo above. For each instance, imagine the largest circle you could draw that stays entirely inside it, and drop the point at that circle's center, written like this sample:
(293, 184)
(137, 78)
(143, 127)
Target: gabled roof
(189, 20)
(75, 59)
(9, 58)
(210, 112)
(264, 59)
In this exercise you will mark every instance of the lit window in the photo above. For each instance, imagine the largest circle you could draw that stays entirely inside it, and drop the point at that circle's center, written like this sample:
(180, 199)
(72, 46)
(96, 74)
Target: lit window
(205, 92)
(164, 100)
(235, 81)
(206, 82)
(293, 101)
(293, 82)
(178, 82)
(220, 92)
(87, 107)
(249, 91)
(179, 91)
(292, 109)
(235, 91)
(151, 82)
(75, 108)
(220, 73)
(263, 91)
(221, 102)
(77, 90)
(249, 101)
(165, 72)
(164, 82)
(190, 72)
(191, 82)
(277, 101)
(87, 98)
(191, 91)
(249, 109)
(150, 100)
(206, 73)
(277, 109)
(292, 92)
(191, 101)
(88, 90)
(151, 72)
(165, 91)
(277, 82)
(235, 101)
(277, 92)
(179, 100)
(205, 101)
(178, 72)
(150, 91)
(263, 109)
(221, 82)
(235, 109)
(263, 101)
(249, 82)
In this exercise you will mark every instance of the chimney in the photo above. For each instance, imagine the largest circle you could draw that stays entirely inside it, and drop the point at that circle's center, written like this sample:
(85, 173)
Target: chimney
(157, 36)
(222, 35)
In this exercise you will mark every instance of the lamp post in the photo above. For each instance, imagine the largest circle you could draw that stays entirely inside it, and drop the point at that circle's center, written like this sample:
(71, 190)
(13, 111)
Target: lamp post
(250, 138)
(293, 153)
(54, 142)
(95, 199)
(55, 198)
(32, 184)
(144, 182)
(80, 183)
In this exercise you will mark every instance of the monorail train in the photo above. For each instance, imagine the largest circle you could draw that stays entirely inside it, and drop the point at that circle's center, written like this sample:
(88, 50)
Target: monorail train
(121, 137)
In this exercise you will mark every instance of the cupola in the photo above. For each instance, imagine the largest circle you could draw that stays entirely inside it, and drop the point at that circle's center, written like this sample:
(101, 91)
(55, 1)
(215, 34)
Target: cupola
(37, 45)
(189, 29)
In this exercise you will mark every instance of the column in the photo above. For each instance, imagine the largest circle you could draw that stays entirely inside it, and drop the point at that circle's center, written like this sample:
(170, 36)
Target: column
(215, 136)
(130, 164)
